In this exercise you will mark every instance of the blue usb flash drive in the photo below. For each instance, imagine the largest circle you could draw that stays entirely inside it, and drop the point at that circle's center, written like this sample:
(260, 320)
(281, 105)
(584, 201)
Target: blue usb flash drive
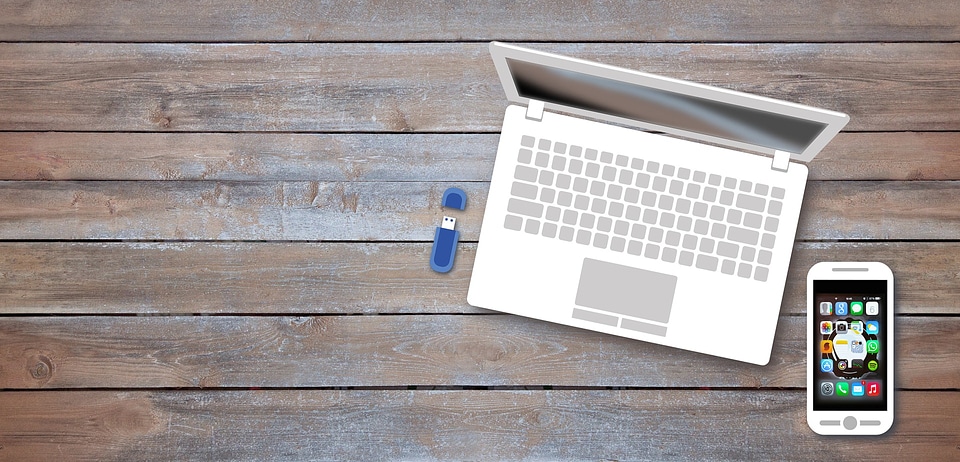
(446, 238)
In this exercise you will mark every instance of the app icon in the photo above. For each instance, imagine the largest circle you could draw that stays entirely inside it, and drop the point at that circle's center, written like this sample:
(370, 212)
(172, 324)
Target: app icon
(872, 365)
(826, 346)
(873, 308)
(826, 365)
(873, 346)
(856, 308)
(856, 388)
(873, 388)
(826, 308)
(842, 364)
(843, 388)
(856, 346)
(841, 327)
(873, 327)
(826, 388)
(841, 308)
(826, 327)
(856, 327)
(856, 364)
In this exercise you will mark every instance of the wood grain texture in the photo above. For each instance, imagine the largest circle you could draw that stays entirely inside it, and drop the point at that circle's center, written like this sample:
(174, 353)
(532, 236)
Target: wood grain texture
(447, 87)
(391, 351)
(569, 20)
(454, 425)
(353, 278)
(389, 157)
(321, 211)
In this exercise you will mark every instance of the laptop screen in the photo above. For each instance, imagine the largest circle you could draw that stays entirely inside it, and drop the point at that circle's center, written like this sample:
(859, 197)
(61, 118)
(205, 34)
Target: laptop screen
(662, 107)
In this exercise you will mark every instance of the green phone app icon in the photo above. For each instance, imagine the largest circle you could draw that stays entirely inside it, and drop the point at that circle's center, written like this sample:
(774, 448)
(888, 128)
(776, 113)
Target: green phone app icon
(873, 346)
(856, 308)
(872, 365)
(843, 388)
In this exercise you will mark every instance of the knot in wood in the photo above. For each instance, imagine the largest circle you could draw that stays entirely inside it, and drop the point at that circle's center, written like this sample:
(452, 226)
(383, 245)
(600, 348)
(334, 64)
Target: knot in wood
(41, 370)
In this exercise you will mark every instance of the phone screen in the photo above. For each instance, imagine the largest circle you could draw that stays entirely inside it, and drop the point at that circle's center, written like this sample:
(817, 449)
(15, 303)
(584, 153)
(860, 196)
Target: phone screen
(849, 351)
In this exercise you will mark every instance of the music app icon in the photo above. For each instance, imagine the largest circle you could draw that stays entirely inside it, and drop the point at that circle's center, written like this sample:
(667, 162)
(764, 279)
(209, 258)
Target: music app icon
(873, 388)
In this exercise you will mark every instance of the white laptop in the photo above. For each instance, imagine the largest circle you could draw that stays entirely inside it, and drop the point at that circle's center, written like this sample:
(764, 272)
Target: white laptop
(659, 237)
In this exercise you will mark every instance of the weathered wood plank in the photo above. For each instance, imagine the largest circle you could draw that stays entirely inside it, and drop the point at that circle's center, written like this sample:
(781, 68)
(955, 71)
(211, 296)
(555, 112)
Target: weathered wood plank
(389, 157)
(454, 425)
(311, 211)
(379, 351)
(303, 20)
(449, 87)
(308, 278)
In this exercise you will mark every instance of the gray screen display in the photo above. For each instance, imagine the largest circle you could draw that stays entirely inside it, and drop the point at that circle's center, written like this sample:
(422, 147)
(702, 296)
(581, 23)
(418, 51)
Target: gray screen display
(663, 108)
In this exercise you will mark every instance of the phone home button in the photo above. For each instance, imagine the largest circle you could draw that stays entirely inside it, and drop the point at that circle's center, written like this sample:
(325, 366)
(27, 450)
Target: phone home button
(850, 422)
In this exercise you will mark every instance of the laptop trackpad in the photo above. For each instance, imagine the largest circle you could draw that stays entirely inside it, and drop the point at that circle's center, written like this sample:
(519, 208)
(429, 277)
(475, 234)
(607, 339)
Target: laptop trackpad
(625, 290)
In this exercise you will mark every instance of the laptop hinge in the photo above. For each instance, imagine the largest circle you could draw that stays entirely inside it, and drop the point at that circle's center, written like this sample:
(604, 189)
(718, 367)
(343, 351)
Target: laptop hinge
(781, 160)
(535, 110)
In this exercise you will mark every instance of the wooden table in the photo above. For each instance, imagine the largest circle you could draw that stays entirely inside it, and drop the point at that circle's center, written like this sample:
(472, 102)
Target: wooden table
(216, 221)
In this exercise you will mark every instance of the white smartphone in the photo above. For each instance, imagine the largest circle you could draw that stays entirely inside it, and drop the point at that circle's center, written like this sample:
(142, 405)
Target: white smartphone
(850, 385)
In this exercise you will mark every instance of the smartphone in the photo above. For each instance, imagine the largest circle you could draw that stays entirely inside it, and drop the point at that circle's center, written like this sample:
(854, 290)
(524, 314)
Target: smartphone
(850, 359)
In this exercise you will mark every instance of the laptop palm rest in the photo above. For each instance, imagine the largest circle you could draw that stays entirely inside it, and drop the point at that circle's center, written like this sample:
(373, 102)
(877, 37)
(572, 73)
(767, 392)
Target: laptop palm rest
(625, 290)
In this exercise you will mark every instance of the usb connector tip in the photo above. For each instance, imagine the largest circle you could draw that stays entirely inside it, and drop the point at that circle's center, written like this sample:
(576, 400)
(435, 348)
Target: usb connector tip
(448, 223)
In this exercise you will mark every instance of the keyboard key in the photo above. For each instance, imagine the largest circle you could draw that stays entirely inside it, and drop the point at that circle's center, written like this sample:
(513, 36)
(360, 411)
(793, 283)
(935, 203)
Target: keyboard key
(734, 216)
(748, 202)
(575, 151)
(559, 163)
(591, 154)
(743, 235)
(653, 167)
(771, 225)
(566, 233)
(626, 177)
(621, 228)
(564, 198)
(666, 203)
(617, 244)
(513, 222)
(527, 141)
(717, 212)
(707, 262)
(684, 223)
(633, 213)
(522, 207)
(718, 230)
(668, 255)
(532, 227)
(600, 240)
(761, 189)
(546, 195)
(652, 251)
(709, 194)
(636, 164)
(604, 224)
(559, 148)
(700, 209)
(631, 195)
(643, 180)
(693, 191)
(746, 186)
(774, 208)
(676, 187)
(639, 231)
(553, 213)
(726, 197)
(544, 145)
(650, 216)
(549, 230)
(580, 184)
(728, 249)
(635, 248)
(593, 170)
(666, 219)
(524, 190)
(748, 253)
(752, 220)
(683, 173)
(583, 237)
(683, 206)
(597, 187)
(706, 245)
(621, 160)
(673, 238)
(659, 184)
(699, 176)
(714, 179)
(764, 257)
(614, 191)
(648, 199)
(728, 267)
(525, 173)
(609, 173)
(761, 274)
(702, 227)
(586, 220)
(744, 270)
(686, 258)
(655, 235)
(599, 205)
(575, 166)
(570, 217)
(563, 181)
(581, 202)
(542, 159)
(767, 241)
(667, 170)
(546, 177)
(729, 183)
(778, 193)
(606, 157)
(525, 156)
(616, 209)
(689, 241)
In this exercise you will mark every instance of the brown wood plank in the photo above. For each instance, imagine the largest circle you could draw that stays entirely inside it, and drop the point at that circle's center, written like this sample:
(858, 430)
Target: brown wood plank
(389, 157)
(444, 87)
(378, 351)
(208, 210)
(308, 278)
(454, 425)
(303, 20)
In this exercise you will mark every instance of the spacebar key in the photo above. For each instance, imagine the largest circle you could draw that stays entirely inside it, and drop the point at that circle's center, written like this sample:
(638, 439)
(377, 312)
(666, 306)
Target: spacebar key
(743, 235)
(530, 209)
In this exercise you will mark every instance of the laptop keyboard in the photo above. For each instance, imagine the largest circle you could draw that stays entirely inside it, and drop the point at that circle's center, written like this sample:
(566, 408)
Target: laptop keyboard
(644, 208)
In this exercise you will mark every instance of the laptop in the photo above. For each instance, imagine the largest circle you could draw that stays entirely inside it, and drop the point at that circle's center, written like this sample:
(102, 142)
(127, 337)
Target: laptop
(643, 206)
